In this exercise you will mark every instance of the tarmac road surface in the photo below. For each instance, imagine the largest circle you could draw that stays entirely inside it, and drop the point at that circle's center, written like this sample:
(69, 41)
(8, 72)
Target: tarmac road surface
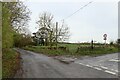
(107, 63)
(41, 66)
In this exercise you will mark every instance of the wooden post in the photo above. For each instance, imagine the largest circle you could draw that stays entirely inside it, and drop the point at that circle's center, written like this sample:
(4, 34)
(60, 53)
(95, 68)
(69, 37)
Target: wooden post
(56, 33)
(92, 44)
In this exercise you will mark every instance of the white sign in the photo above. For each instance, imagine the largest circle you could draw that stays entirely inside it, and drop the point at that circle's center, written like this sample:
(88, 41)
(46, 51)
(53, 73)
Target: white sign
(105, 36)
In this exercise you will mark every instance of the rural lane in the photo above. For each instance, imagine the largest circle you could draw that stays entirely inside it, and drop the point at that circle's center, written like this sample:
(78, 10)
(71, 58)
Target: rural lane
(41, 66)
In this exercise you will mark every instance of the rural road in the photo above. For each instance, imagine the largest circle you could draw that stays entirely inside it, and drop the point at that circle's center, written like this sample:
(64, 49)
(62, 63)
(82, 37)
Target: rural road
(107, 63)
(40, 66)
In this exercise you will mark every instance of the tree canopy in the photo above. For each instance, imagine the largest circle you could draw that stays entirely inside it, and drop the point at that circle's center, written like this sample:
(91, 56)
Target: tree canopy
(15, 16)
(48, 29)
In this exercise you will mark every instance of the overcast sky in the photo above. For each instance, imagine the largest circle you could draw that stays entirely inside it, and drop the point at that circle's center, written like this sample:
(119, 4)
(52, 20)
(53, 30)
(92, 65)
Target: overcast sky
(91, 22)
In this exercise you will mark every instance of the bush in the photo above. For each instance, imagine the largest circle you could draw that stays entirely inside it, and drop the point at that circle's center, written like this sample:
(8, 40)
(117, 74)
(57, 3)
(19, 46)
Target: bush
(21, 40)
(7, 33)
(111, 43)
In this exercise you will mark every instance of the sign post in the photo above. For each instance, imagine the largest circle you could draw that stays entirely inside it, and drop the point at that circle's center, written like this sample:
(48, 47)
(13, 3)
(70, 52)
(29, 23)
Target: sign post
(105, 38)
(92, 44)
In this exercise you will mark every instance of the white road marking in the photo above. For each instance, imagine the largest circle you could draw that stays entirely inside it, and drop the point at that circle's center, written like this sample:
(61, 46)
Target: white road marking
(114, 60)
(103, 67)
(110, 72)
(97, 68)
(81, 63)
(107, 71)
(89, 66)
(114, 70)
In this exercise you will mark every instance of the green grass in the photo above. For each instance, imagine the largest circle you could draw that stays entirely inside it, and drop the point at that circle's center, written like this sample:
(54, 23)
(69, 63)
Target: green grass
(45, 50)
(10, 63)
(96, 50)
(72, 49)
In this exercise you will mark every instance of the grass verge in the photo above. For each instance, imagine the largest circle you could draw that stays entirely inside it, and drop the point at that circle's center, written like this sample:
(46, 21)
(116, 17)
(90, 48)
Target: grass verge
(46, 51)
(96, 50)
(74, 50)
(10, 63)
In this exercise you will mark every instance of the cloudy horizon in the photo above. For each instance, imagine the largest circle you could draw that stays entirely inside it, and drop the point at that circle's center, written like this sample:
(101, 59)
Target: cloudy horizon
(91, 22)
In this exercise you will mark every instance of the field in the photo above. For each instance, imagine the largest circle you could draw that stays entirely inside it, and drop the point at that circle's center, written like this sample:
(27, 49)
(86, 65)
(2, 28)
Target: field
(74, 49)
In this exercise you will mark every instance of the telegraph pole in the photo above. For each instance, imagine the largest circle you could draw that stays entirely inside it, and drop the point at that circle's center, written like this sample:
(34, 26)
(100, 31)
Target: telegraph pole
(56, 33)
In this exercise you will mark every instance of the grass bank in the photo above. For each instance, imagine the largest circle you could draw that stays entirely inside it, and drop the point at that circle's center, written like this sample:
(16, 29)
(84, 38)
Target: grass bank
(73, 49)
(45, 50)
(96, 50)
(10, 63)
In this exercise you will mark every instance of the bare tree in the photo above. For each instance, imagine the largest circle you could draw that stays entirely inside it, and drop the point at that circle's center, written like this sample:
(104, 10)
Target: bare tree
(48, 28)
(19, 14)
(45, 24)
(45, 20)
(63, 32)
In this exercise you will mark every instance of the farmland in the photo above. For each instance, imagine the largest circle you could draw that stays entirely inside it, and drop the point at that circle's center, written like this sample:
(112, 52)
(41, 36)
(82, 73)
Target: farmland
(74, 49)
